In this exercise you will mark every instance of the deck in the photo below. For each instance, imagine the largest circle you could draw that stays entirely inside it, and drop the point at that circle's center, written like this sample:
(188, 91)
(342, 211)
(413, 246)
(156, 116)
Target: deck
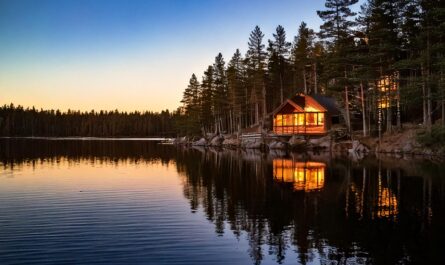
(299, 130)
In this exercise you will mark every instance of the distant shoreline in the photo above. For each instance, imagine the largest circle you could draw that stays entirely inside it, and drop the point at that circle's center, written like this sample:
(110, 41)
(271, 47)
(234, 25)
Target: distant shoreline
(77, 138)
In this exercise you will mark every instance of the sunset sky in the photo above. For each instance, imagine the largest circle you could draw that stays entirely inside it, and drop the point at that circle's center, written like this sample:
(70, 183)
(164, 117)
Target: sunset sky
(126, 55)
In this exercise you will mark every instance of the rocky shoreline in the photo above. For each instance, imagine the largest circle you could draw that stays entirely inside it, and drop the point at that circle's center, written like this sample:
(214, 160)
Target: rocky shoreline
(397, 144)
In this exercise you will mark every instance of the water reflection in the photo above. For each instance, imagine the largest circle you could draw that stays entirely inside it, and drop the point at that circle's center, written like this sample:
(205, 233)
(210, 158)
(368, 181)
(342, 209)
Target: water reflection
(327, 210)
(297, 208)
(304, 176)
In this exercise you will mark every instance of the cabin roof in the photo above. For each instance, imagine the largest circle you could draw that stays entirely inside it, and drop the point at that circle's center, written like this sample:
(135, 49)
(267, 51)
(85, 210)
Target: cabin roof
(328, 103)
(299, 101)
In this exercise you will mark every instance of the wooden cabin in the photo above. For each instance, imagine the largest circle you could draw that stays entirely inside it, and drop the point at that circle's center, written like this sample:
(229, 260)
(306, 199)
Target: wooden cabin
(304, 115)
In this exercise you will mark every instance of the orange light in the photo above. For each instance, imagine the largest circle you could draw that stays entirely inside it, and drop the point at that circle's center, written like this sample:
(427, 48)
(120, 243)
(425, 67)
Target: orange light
(305, 176)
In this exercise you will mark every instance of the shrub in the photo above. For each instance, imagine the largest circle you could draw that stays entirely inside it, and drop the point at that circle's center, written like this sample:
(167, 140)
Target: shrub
(434, 139)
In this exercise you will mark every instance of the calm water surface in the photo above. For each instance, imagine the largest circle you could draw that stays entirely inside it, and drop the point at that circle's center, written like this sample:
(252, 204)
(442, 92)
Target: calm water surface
(140, 202)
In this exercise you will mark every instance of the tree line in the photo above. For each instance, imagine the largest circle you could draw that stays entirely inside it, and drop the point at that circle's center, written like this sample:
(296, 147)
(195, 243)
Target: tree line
(383, 64)
(18, 121)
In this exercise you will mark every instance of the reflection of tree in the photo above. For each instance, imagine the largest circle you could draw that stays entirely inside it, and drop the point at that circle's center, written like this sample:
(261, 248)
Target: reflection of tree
(364, 213)
(353, 212)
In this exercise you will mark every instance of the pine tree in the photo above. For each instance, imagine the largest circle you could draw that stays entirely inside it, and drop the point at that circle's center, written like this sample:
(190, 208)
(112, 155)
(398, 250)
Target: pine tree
(256, 64)
(303, 55)
(207, 89)
(220, 94)
(236, 90)
(337, 33)
(190, 100)
(278, 54)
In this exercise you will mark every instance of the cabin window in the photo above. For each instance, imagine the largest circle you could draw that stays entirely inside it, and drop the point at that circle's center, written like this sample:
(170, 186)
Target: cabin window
(299, 119)
(320, 118)
(287, 120)
(279, 120)
(311, 118)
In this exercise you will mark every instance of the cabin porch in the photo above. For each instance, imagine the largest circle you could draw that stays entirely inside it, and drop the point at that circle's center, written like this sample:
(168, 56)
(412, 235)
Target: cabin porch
(303, 123)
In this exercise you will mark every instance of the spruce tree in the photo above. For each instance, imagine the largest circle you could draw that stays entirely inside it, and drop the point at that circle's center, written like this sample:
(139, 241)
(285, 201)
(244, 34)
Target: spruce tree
(336, 31)
(303, 56)
(256, 64)
(220, 100)
(278, 54)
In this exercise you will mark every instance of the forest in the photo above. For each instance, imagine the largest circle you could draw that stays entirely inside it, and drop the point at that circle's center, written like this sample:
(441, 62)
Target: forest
(17, 121)
(384, 65)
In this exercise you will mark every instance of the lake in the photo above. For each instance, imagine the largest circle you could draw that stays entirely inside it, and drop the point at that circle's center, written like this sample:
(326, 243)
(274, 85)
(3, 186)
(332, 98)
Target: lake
(140, 202)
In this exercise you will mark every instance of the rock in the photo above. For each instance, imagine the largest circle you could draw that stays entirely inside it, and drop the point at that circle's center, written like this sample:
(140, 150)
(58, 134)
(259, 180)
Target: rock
(278, 145)
(200, 142)
(323, 142)
(341, 147)
(231, 142)
(427, 151)
(216, 141)
(252, 144)
(407, 148)
(358, 147)
(180, 140)
(296, 141)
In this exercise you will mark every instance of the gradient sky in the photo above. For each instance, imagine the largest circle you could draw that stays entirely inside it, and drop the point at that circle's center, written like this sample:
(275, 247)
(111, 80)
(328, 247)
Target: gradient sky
(126, 55)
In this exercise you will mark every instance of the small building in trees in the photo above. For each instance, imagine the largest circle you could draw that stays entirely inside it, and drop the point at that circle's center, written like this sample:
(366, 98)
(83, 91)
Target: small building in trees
(305, 115)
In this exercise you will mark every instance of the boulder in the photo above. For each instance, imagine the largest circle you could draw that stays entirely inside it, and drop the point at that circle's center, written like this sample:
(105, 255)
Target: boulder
(323, 142)
(231, 142)
(216, 141)
(407, 148)
(296, 141)
(358, 147)
(180, 140)
(200, 142)
(252, 144)
(278, 145)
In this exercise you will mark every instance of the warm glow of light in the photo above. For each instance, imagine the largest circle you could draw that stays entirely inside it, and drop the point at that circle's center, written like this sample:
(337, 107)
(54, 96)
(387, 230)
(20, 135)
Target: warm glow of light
(387, 202)
(305, 176)
(386, 85)
(68, 176)
(310, 109)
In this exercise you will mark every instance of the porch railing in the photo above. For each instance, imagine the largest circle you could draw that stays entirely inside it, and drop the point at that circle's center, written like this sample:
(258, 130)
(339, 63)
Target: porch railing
(299, 129)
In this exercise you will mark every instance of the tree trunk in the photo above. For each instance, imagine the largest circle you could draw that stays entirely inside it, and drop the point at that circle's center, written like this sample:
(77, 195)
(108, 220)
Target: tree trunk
(264, 103)
(363, 109)
(315, 79)
(399, 122)
(443, 96)
(424, 98)
(348, 117)
(281, 89)
(257, 113)
(428, 85)
(379, 117)
(389, 104)
(304, 82)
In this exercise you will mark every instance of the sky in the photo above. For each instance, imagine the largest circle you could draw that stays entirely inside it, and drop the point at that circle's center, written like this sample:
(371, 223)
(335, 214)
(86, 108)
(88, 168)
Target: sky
(127, 55)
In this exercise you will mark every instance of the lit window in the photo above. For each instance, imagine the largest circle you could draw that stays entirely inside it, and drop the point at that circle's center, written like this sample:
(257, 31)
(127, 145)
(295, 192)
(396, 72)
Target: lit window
(287, 119)
(311, 119)
(320, 118)
(278, 120)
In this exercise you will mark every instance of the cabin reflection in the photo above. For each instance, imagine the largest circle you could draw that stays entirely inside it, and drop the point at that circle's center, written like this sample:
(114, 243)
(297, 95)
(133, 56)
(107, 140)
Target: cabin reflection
(304, 176)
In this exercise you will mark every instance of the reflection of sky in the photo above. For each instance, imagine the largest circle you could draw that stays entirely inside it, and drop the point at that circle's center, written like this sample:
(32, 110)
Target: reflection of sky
(116, 213)
(126, 54)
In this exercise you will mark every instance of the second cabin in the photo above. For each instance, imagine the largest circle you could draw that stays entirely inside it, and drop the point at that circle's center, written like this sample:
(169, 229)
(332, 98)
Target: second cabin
(305, 115)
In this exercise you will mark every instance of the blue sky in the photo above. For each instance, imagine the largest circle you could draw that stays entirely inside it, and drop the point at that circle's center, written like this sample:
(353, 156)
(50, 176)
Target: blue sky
(129, 55)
